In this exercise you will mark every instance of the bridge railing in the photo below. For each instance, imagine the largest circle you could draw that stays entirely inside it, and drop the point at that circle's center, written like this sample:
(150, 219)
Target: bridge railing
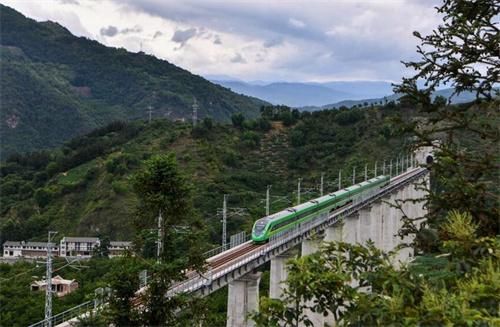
(69, 314)
(223, 248)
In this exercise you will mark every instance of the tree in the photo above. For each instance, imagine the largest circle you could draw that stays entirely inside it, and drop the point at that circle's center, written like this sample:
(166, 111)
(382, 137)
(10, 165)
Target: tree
(162, 189)
(102, 250)
(462, 52)
(460, 288)
(237, 119)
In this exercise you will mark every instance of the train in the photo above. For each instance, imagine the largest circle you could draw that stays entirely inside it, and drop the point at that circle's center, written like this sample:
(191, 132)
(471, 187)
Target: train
(281, 221)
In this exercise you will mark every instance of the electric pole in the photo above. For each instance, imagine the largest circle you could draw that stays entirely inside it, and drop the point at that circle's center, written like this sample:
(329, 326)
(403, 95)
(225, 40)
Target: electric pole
(195, 112)
(48, 288)
(340, 178)
(150, 111)
(224, 221)
(321, 186)
(375, 169)
(159, 241)
(390, 169)
(366, 173)
(354, 175)
(298, 191)
(267, 199)
(383, 169)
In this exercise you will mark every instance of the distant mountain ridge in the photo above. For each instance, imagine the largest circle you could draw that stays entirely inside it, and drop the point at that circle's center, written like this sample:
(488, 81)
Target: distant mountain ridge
(296, 94)
(56, 86)
(446, 93)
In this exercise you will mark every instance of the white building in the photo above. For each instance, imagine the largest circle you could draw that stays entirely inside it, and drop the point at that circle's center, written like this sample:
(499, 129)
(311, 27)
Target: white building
(117, 248)
(77, 246)
(28, 249)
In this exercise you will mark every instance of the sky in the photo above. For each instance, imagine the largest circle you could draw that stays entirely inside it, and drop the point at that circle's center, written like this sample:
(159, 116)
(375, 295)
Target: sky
(255, 40)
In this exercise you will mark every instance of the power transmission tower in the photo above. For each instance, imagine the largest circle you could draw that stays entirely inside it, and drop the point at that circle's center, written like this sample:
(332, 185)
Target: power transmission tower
(267, 198)
(159, 241)
(195, 112)
(48, 289)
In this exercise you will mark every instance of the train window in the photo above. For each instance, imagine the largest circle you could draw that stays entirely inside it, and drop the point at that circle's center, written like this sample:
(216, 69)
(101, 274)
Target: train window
(259, 227)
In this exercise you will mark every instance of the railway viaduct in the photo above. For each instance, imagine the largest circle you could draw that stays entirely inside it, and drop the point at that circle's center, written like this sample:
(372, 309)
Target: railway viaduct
(378, 220)
(372, 217)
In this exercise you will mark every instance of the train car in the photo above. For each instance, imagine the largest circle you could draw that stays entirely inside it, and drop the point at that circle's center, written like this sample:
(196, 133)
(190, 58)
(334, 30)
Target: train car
(281, 221)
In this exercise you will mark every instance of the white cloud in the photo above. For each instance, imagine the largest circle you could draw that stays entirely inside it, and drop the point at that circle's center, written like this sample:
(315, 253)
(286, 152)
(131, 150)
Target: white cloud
(313, 40)
(296, 23)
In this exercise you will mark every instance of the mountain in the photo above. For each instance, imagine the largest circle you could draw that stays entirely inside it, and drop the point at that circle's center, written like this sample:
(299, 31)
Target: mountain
(361, 89)
(290, 94)
(307, 93)
(56, 86)
(463, 97)
(83, 187)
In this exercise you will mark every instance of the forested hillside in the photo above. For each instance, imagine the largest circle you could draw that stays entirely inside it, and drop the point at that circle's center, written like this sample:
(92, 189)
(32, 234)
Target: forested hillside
(84, 187)
(56, 86)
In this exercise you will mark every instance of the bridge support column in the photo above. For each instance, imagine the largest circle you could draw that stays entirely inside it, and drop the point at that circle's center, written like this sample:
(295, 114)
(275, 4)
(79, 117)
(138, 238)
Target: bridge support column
(278, 275)
(376, 215)
(388, 213)
(335, 233)
(351, 228)
(310, 246)
(366, 222)
(242, 299)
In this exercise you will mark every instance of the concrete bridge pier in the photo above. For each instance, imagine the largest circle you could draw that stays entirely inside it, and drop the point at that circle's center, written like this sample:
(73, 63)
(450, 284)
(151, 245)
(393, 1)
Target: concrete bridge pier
(279, 274)
(335, 233)
(243, 299)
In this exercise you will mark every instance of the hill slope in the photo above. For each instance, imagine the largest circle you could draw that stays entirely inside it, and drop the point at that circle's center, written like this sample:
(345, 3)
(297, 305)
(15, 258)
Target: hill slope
(55, 86)
(83, 188)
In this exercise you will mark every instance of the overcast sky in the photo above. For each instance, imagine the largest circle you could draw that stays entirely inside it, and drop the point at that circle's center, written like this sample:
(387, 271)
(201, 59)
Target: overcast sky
(270, 40)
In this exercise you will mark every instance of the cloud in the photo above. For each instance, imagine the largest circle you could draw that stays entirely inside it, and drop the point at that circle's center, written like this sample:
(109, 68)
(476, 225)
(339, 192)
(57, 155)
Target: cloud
(273, 42)
(182, 36)
(276, 40)
(69, 2)
(238, 59)
(135, 29)
(296, 23)
(109, 31)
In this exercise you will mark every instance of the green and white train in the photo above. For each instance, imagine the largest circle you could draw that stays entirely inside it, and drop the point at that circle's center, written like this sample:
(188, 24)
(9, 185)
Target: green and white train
(281, 221)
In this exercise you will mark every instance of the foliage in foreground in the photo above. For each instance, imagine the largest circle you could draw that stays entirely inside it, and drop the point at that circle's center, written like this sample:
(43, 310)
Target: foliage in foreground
(359, 285)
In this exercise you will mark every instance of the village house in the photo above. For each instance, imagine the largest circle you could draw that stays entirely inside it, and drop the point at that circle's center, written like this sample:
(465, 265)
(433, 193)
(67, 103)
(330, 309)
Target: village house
(60, 286)
(28, 249)
(117, 248)
(77, 246)
(68, 247)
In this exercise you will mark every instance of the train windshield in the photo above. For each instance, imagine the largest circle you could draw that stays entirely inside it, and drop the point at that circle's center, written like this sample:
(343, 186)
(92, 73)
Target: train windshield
(259, 227)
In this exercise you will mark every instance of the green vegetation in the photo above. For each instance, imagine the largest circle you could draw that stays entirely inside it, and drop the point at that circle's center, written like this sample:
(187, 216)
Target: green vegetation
(455, 281)
(460, 288)
(84, 187)
(56, 86)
